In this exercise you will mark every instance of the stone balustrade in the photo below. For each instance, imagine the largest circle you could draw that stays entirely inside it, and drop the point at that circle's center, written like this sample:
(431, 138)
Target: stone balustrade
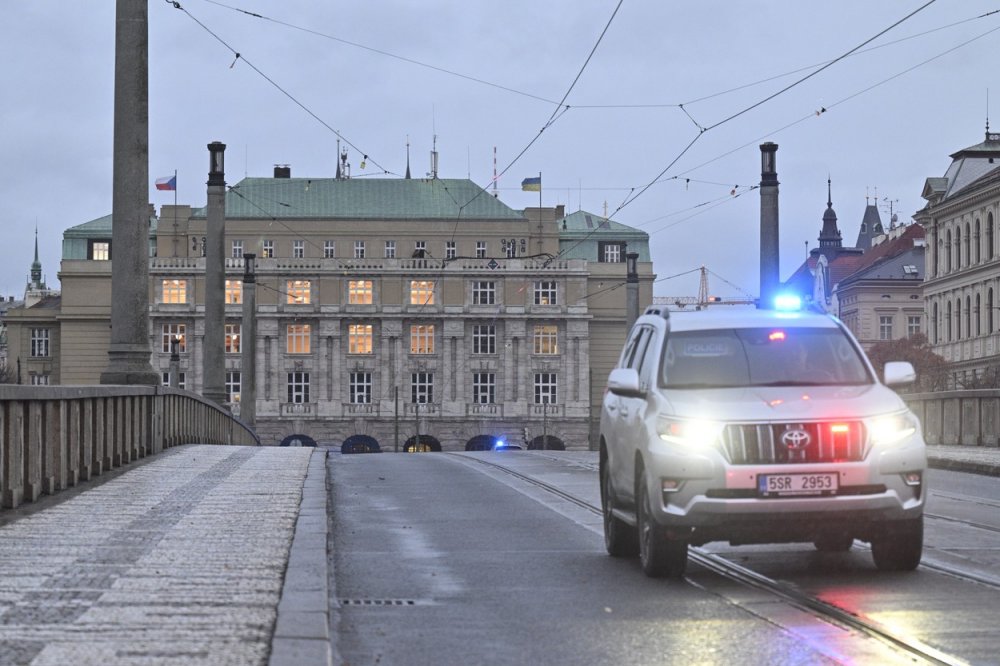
(52, 437)
(967, 418)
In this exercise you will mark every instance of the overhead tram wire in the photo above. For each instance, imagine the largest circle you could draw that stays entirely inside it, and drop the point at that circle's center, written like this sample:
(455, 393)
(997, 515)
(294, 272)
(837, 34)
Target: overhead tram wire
(238, 56)
(388, 54)
(823, 110)
(702, 130)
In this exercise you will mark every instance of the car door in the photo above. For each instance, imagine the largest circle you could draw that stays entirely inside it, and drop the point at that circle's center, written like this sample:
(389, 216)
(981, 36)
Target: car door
(631, 409)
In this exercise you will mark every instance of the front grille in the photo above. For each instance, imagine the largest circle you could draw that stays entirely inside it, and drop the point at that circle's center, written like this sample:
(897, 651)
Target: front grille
(778, 443)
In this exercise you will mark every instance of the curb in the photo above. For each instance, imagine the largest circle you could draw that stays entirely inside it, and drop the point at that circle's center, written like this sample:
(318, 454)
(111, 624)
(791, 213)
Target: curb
(302, 629)
(968, 466)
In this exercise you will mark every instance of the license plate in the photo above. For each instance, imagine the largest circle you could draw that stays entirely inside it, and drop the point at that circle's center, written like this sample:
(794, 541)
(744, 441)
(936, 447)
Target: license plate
(780, 485)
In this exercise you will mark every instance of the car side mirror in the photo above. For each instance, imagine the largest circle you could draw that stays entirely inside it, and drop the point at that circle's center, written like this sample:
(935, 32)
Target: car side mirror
(899, 372)
(625, 382)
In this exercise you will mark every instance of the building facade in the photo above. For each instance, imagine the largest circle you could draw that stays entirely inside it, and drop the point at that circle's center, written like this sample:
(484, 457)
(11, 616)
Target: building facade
(424, 313)
(962, 288)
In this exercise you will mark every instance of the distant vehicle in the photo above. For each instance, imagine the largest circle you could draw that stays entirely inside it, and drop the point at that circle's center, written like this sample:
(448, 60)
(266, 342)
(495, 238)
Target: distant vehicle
(757, 426)
(501, 445)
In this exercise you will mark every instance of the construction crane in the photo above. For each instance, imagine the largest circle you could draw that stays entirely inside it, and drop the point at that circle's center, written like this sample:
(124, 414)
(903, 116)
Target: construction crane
(702, 300)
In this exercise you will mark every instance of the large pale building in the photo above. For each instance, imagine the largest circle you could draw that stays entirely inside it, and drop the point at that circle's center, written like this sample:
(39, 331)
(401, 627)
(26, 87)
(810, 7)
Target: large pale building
(423, 313)
(962, 289)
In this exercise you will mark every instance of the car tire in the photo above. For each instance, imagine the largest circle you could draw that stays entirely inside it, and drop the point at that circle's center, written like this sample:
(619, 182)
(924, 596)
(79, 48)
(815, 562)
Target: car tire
(834, 542)
(660, 555)
(620, 538)
(899, 546)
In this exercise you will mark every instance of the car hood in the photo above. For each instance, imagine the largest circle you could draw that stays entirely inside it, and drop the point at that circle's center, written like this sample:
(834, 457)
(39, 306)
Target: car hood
(792, 403)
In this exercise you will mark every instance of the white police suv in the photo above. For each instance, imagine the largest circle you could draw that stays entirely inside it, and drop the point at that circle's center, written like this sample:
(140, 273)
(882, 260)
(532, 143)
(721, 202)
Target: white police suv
(756, 426)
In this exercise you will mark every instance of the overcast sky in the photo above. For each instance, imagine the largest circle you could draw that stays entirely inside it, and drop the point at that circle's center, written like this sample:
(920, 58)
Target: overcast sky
(373, 70)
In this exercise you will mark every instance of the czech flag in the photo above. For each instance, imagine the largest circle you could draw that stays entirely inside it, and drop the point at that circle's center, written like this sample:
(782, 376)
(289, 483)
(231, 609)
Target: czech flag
(532, 184)
(167, 183)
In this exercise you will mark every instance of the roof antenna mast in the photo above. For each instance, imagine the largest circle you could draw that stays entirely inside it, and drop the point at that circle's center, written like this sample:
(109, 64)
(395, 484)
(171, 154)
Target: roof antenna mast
(495, 193)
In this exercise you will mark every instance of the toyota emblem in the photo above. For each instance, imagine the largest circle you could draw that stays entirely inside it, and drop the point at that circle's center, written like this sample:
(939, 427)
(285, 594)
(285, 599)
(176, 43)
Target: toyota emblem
(795, 440)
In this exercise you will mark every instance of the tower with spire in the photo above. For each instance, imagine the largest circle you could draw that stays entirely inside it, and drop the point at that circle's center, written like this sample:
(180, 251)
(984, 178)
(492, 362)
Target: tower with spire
(829, 235)
(36, 289)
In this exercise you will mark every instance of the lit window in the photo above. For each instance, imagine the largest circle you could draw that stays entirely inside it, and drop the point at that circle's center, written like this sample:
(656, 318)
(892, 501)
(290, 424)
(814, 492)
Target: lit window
(233, 386)
(298, 292)
(233, 338)
(484, 339)
(298, 338)
(237, 249)
(234, 292)
(545, 292)
(484, 388)
(267, 249)
(421, 292)
(390, 249)
(422, 339)
(359, 249)
(483, 293)
(39, 342)
(175, 291)
(170, 331)
(298, 387)
(359, 339)
(361, 388)
(545, 388)
(100, 250)
(546, 339)
(422, 387)
(329, 249)
(298, 249)
(359, 292)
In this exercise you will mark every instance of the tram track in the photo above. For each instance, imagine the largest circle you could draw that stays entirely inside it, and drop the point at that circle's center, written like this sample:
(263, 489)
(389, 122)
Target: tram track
(790, 595)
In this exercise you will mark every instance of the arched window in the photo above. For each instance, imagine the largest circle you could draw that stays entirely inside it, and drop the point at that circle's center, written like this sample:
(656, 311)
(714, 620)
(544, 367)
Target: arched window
(935, 327)
(947, 315)
(989, 235)
(978, 317)
(947, 252)
(968, 316)
(958, 248)
(966, 249)
(978, 244)
(989, 311)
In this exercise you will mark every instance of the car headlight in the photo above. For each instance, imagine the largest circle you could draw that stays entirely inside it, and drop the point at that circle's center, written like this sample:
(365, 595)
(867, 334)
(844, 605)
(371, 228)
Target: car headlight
(691, 432)
(891, 429)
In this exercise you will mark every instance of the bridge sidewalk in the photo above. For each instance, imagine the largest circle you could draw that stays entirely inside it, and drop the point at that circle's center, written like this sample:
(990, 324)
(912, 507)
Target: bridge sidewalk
(972, 459)
(201, 555)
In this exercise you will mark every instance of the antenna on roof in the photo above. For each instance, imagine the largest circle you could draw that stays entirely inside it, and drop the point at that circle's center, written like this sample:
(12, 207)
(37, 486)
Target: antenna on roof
(434, 159)
(494, 172)
(407, 157)
(987, 110)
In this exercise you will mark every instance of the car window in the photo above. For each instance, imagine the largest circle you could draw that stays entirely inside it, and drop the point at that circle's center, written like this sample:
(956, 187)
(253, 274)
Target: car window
(762, 357)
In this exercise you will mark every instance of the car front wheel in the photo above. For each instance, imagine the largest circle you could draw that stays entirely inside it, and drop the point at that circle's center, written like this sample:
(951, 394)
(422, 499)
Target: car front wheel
(899, 546)
(620, 538)
(660, 555)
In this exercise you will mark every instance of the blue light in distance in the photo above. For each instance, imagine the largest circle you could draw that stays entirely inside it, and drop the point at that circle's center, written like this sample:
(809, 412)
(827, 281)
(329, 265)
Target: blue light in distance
(787, 303)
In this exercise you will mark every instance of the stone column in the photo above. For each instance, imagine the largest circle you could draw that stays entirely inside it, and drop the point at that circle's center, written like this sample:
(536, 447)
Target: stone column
(129, 352)
(214, 347)
(248, 344)
(770, 280)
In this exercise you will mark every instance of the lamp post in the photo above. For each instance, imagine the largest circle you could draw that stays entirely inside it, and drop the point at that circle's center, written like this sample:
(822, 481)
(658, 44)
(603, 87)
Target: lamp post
(631, 289)
(175, 361)
(248, 343)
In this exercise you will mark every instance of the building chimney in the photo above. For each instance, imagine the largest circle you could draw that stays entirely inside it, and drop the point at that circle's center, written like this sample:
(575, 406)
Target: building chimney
(282, 171)
(770, 279)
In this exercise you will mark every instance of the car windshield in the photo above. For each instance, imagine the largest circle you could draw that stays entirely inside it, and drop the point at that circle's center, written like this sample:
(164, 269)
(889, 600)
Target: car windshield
(762, 357)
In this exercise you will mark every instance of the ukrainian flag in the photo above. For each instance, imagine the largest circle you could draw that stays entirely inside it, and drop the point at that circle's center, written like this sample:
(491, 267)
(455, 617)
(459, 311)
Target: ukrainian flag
(532, 184)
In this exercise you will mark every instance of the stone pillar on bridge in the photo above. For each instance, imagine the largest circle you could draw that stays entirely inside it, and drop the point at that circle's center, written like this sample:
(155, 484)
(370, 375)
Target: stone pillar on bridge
(214, 343)
(248, 344)
(129, 351)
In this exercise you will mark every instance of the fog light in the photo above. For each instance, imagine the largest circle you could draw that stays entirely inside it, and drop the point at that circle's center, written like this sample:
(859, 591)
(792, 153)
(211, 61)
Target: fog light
(671, 485)
(912, 478)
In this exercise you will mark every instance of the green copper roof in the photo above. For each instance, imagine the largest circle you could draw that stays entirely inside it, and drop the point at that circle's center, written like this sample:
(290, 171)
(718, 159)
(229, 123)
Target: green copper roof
(362, 198)
(581, 232)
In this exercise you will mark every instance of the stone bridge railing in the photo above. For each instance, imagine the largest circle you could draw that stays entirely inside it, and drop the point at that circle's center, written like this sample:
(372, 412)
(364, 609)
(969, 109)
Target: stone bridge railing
(969, 418)
(51, 437)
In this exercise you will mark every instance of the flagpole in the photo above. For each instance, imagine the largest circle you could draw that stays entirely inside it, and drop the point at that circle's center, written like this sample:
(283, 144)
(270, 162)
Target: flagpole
(540, 243)
(175, 212)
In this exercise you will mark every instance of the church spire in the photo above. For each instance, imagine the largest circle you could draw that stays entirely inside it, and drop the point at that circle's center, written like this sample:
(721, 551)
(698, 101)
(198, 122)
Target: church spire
(829, 236)
(407, 158)
(36, 267)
